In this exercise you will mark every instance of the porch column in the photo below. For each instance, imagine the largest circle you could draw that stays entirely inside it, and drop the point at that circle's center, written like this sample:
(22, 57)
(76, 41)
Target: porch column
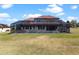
(45, 28)
(36, 27)
(32, 28)
(15, 26)
(28, 27)
(57, 28)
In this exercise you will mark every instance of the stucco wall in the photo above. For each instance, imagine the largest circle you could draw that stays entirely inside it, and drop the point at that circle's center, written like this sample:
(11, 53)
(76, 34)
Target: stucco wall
(4, 29)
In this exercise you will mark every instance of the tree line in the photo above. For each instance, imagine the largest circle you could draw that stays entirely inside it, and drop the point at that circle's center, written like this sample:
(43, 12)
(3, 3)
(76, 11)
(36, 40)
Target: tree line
(74, 24)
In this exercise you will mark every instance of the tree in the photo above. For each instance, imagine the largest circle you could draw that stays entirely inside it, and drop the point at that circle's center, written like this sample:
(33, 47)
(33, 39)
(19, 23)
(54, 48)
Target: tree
(78, 24)
(73, 23)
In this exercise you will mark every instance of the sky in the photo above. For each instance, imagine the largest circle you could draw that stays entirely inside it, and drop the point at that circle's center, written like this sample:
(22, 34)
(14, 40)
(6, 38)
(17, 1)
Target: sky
(10, 13)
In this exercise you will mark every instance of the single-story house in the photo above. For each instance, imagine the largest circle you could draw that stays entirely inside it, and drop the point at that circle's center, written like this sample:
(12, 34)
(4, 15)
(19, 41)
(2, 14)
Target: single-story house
(4, 28)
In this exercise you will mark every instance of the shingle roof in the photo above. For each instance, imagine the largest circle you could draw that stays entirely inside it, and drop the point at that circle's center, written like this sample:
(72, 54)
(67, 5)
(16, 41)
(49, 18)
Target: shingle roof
(3, 26)
(47, 17)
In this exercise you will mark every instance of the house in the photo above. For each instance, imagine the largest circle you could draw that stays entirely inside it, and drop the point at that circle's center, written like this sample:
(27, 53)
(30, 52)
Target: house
(4, 28)
(41, 24)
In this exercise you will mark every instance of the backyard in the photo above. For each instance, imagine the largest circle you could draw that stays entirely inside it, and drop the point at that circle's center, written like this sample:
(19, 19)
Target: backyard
(40, 43)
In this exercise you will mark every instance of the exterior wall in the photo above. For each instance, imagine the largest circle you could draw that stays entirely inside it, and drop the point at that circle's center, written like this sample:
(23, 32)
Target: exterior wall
(35, 28)
(4, 29)
(20, 27)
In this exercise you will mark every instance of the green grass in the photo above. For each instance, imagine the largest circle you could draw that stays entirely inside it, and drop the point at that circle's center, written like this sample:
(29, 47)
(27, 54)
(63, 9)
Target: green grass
(40, 44)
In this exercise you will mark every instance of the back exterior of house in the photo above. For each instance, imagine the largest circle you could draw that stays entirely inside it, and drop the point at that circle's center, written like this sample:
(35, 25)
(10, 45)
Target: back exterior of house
(41, 24)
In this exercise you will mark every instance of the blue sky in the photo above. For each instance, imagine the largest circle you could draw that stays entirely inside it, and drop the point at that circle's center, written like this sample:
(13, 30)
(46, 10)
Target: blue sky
(10, 13)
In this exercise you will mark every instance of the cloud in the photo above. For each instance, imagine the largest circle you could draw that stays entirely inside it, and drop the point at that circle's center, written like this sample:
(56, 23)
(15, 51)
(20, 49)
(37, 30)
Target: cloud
(53, 8)
(60, 4)
(6, 6)
(12, 19)
(8, 20)
(72, 18)
(31, 15)
(4, 15)
(74, 7)
(60, 14)
(52, 5)
(5, 18)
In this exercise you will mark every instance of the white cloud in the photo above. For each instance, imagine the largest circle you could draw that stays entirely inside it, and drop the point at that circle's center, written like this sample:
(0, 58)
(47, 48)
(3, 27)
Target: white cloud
(74, 7)
(8, 20)
(5, 18)
(52, 5)
(4, 15)
(31, 15)
(12, 19)
(40, 1)
(60, 14)
(60, 4)
(72, 18)
(5, 6)
(53, 8)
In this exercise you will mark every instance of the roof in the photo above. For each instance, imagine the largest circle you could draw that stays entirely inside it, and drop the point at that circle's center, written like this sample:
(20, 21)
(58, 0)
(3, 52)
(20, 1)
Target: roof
(3, 26)
(31, 20)
(46, 17)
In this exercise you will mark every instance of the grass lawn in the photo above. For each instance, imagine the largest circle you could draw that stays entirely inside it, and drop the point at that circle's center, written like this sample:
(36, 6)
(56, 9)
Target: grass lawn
(40, 43)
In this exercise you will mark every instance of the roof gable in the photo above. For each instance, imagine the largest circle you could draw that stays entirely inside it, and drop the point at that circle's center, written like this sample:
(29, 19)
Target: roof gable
(3, 26)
